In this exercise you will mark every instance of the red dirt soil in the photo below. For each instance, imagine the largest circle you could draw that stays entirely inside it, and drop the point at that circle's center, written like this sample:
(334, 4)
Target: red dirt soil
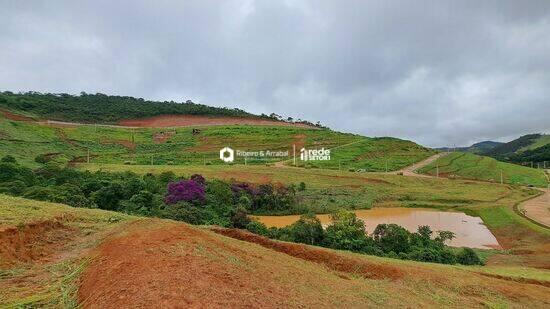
(329, 259)
(195, 120)
(170, 265)
(12, 116)
(32, 242)
(162, 264)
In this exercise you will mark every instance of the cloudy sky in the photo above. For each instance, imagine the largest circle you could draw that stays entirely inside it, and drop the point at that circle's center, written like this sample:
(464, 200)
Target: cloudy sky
(436, 72)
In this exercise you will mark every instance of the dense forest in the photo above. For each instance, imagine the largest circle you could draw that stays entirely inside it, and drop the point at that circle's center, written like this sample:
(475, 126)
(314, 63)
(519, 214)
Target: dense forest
(102, 108)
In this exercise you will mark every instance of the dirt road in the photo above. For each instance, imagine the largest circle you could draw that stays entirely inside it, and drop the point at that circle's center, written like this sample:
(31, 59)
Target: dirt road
(538, 209)
(411, 169)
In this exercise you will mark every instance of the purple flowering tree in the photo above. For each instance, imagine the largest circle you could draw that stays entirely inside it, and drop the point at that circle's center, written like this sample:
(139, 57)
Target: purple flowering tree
(185, 190)
(198, 179)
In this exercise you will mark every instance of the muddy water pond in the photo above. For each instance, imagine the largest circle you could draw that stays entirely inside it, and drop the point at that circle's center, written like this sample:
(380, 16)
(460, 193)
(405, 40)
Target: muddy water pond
(469, 231)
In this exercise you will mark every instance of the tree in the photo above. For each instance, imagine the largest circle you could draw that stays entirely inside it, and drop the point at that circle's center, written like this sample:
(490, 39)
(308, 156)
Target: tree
(392, 237)
(185, 190)
(307, 230)
(142, 203)
(108, 197)
(346, 232)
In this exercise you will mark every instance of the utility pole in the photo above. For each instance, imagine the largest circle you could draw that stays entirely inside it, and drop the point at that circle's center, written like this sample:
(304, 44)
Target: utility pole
(294, 153)
(501, 178)
(437, 169)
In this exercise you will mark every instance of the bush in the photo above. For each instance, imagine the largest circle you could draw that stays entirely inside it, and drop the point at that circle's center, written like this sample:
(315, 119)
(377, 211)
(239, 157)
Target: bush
(240, 219)
(8, 159)
(302, 186)
(41, 158)
(468, 257)
(257, 227)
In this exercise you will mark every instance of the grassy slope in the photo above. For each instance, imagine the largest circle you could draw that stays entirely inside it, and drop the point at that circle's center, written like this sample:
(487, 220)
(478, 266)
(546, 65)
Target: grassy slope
(51, 280)
(282, 279)
(26, 140)
(470, 166)
(539, 142)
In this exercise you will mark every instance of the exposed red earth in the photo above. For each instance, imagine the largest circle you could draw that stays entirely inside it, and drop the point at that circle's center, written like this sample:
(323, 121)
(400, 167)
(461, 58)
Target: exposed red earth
(196, 120)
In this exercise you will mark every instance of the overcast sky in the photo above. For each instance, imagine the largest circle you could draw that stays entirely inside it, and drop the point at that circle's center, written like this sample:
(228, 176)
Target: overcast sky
(436, 72)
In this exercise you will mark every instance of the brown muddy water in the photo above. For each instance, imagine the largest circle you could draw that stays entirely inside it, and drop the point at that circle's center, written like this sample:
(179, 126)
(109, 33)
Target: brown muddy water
(469, 231)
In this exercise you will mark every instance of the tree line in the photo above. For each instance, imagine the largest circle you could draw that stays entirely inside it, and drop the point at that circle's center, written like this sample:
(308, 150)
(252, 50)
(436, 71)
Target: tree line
(102, 108)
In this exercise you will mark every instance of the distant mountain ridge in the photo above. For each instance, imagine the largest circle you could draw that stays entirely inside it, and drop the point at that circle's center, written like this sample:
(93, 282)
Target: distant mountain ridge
(523, 150)
(477, 148)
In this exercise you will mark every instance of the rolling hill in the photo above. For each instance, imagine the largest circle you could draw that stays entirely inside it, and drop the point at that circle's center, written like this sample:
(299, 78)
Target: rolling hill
(471, 166)
(109, 109)
(34, 143)
(477, 148)
(523, 150)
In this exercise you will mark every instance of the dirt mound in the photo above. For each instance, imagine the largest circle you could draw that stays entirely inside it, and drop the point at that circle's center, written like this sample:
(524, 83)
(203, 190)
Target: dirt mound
(32, 242)
(331, 260)
(195, 120)
(170, 265)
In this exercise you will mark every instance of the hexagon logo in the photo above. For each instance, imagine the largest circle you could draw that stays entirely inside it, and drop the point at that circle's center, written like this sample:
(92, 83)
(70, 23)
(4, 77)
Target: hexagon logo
(227, 155)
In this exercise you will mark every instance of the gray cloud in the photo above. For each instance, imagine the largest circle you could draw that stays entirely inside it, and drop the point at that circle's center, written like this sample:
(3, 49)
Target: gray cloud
(437, 72)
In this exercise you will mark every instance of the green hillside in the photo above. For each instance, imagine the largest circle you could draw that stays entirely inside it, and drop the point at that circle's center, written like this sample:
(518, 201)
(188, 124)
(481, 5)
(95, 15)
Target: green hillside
(471, 166)
(524, 150)
(33, 144)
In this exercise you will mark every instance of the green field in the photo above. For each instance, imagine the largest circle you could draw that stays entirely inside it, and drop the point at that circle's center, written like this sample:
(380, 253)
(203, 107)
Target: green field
(471, 166)
(179, 146)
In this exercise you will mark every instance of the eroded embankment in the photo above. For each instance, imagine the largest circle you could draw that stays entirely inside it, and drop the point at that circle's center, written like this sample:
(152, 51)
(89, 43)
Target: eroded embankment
(321, 256)
(33, 242)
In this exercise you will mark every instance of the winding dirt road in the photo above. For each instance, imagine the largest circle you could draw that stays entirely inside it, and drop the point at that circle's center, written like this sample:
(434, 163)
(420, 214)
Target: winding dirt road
(538, 209)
